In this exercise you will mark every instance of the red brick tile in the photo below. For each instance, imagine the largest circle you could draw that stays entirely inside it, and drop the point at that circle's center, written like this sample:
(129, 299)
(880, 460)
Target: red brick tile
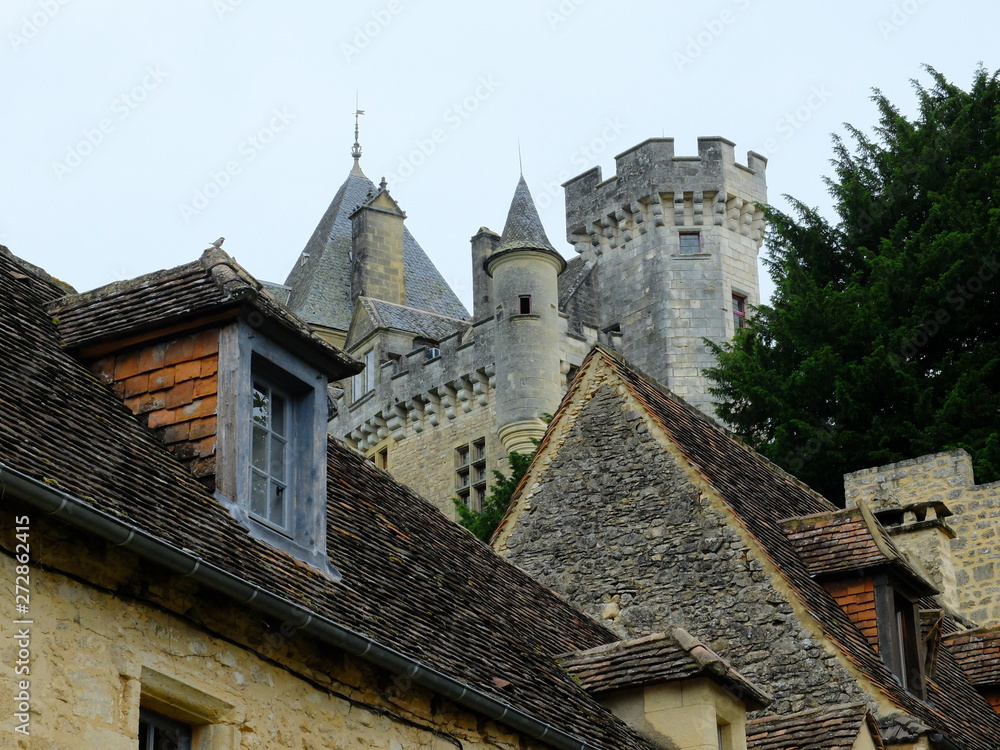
(180, 350)
(209, 366)
(160, 379)
(202, 427)
(126, 365)
(135, 385)
(151, 357)
(180, 394)
(206, 386)
(161, 418)
(187, 370)
(206, 343)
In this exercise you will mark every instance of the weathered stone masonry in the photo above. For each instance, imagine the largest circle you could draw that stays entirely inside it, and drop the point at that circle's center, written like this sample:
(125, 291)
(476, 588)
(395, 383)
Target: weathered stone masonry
(616, 527)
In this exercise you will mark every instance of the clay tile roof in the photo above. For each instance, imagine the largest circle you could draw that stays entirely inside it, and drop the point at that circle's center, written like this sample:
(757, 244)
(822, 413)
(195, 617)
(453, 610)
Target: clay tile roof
(835, 728)
(214, 286)
(978, 653)
(655, 659)
(846, 541)
(413, 580)
(761, 496)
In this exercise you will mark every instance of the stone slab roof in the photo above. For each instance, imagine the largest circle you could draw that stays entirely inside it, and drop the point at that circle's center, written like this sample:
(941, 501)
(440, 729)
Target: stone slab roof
(412, 580)
(978, 653)
(655, 659)
(835, 728)
(847, 541)
(428, 325)
(213, 286)
(761, 495)
(320, 281)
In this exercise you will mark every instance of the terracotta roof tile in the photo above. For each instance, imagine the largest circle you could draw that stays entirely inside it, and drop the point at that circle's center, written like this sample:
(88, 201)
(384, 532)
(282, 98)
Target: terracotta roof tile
(762, 495)
(848, 540)
(834, 728)
(656, 659)
(412, 580)
(978, 653)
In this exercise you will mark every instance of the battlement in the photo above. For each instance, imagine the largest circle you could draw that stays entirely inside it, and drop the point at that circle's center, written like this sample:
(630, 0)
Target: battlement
(647, 172)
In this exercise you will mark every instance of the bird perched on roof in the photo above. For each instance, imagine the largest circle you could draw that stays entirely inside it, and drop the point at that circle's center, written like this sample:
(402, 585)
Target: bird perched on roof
(218, 242)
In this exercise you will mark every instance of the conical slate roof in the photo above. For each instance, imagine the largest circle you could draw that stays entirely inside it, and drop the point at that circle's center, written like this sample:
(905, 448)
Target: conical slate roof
(523, 228)
(320, 281)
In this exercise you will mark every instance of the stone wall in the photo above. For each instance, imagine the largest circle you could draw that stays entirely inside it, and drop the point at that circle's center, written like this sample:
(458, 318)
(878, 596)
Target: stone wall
(173, 387)
(111, 634)
(948, 478)
(665, 301)
(615, 525)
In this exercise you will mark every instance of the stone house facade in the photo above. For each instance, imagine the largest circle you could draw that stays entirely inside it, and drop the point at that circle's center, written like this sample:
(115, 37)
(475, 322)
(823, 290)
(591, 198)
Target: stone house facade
(666, 255)
(648, 516)
(239, 593)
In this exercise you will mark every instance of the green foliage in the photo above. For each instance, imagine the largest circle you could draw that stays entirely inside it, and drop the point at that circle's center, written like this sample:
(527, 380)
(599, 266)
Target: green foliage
(882, 341)
(484, 522)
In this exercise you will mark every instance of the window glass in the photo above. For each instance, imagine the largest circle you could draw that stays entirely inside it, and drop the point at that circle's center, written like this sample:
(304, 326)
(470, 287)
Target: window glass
(157, 732)
(690, 243)
(269, 454)
(739, 312)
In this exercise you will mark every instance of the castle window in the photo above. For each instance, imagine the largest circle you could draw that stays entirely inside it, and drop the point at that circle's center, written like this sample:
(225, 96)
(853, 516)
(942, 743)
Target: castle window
(470, 473)
(270, 465)
(382, 459)
(690, 243)
(739, 312)
(157, 732)
(524, 304)
(364, 382)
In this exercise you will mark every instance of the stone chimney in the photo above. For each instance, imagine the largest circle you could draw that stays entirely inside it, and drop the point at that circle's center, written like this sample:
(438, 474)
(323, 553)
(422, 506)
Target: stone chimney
(912, 498)
(377, 268)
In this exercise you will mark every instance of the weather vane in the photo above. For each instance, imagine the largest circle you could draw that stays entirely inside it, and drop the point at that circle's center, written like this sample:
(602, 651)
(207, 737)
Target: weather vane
(356, 150)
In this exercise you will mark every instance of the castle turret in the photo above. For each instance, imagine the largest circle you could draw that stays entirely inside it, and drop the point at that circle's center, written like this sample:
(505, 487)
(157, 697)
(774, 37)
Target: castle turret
(377, 268)
(525, 269)
(673, 241)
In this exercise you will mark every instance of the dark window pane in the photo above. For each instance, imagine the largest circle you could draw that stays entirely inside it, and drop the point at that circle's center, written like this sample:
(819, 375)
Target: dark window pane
(278, 414)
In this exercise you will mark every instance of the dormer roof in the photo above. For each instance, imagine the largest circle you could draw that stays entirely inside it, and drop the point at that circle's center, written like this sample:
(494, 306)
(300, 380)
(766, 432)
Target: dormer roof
(833, 728)
(848, 541)
(655, 659)
(212, 289)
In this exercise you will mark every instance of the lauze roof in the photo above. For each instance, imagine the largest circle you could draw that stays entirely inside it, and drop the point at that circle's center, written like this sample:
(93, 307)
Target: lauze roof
(412, 580)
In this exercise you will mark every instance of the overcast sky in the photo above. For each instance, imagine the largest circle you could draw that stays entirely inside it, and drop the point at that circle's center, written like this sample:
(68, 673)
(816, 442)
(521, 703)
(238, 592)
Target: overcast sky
(135, 133)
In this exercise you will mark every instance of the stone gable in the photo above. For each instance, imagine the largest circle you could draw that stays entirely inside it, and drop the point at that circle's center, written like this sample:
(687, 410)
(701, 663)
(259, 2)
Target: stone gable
(617, 527)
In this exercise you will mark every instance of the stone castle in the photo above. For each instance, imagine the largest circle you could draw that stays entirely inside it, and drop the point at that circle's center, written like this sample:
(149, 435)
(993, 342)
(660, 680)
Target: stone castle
(666, 255)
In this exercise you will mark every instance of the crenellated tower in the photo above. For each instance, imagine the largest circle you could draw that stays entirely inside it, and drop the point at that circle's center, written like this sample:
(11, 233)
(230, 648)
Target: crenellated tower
(673, 241)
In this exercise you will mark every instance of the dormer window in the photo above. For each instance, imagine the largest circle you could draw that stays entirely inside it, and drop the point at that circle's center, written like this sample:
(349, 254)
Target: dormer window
(899, 636)
(272, 458)
(269, 489)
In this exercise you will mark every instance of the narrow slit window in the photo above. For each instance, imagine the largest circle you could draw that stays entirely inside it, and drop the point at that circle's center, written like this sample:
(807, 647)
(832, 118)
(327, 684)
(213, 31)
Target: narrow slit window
(525, 304)
(739, 312)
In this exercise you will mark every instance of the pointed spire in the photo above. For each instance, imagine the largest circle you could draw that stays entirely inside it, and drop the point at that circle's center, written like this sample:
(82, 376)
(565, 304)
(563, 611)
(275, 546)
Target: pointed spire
(523, 228)
(356, 149)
